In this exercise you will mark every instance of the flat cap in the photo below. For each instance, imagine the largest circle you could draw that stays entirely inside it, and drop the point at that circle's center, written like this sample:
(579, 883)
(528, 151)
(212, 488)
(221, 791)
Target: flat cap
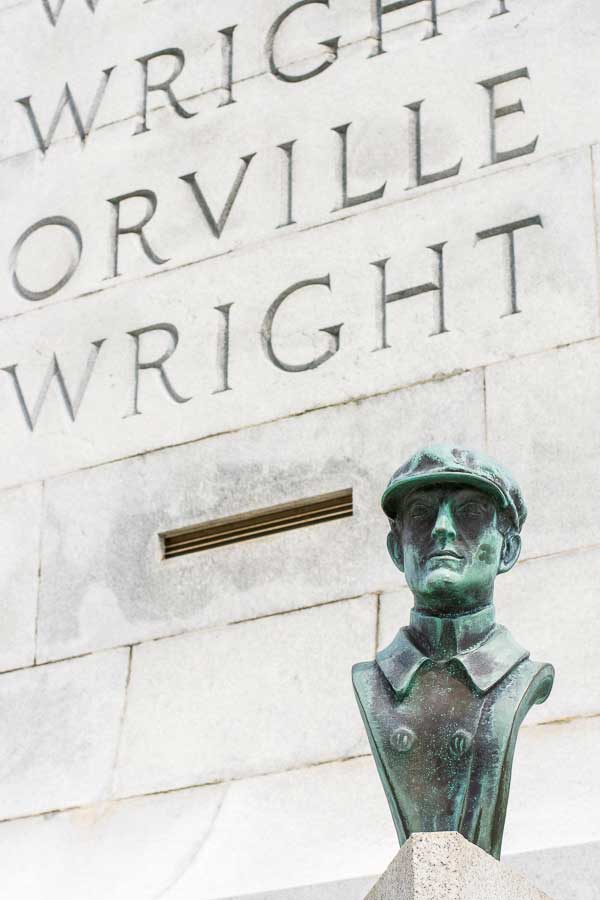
(443, 464)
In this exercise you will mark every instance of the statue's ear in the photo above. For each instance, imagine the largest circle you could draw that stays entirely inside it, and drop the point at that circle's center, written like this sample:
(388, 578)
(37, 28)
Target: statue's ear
(511, 548)
(395, 550)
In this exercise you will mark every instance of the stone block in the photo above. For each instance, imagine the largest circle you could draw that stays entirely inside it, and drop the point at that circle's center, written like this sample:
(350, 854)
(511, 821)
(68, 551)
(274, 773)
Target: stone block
(131, 849)
(104, 582)
(125, 411)
(61, 725)
(567, 873)
(445, 866)
(80, 46)
(551, 606)
(250, 698)
(20, 522)
(446, 72)
(548, 435)
(285, 827)
(350, 889)
(555, 789)
(295, 828)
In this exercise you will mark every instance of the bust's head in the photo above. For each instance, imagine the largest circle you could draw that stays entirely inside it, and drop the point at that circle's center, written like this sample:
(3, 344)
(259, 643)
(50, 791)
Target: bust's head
(455, 519)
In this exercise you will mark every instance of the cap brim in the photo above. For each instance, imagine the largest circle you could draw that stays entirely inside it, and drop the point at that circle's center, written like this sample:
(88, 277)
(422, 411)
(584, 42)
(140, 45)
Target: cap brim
(394, 493)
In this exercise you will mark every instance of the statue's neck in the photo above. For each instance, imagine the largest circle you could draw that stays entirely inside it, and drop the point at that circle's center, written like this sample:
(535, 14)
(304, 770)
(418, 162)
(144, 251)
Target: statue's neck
(441, 637)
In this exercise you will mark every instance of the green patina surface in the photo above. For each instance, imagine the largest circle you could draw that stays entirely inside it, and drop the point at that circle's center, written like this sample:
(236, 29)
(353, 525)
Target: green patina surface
(442, 705)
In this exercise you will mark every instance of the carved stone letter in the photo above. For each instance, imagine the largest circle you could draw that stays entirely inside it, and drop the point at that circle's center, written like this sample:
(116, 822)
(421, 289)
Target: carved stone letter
(67, 99)
(152, 202)
(223, 349)
(380, 8)
(158, 364)
(427, 287)
(501, 9)
(333, 331)
(57, 221)
(416, 152)
(509, 231)
(287, 211)
(165, 86)
(54, 371)
(498, 156)
(348, 201)
(228, 64)
(53, 14)
(217, 225)
(331, 45)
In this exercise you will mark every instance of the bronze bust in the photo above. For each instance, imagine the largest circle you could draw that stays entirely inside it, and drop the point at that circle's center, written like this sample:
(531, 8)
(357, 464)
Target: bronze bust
(442, 705)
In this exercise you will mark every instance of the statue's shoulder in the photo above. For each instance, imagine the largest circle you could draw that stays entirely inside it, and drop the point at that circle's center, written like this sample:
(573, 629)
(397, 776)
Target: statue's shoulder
(392, 669)
(535, 680)
(526, 677)
(367, 684)
(365, 678)
(364, 671)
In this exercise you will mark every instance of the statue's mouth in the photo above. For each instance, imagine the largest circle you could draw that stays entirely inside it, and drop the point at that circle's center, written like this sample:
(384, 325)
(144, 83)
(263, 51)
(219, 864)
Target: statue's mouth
(445, 554)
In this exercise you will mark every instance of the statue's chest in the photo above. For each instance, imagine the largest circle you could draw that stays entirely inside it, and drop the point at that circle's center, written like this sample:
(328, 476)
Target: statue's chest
(439, 715)
(426, 744)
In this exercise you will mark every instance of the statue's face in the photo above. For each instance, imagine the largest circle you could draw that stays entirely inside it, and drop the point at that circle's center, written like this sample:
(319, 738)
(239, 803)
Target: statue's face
(452, 548)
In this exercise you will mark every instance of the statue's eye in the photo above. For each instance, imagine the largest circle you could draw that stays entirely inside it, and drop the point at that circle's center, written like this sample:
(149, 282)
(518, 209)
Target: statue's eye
(472, 510)
(419, 511)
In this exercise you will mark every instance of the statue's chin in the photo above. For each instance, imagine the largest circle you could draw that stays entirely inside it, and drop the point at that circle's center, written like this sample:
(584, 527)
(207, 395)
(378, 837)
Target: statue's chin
(444, 592)
(443, 579)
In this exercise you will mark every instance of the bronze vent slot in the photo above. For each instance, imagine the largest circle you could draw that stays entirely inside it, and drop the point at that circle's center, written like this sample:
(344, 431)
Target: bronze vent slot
(252, 525)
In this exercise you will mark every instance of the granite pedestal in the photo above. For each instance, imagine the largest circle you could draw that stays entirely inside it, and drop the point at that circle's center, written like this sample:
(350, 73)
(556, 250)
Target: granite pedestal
(445, 866)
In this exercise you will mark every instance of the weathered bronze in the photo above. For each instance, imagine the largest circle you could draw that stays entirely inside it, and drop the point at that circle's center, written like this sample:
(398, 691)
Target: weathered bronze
(442, 705)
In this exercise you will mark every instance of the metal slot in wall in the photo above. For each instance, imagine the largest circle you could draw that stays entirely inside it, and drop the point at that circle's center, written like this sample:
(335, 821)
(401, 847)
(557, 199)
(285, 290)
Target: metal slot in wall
(262, 522)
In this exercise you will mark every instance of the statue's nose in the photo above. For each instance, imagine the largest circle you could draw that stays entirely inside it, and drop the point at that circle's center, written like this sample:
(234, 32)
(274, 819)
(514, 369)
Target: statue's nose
(444, 524)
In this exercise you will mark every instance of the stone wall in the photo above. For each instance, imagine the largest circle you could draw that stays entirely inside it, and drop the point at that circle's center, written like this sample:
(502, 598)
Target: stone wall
(244, 263)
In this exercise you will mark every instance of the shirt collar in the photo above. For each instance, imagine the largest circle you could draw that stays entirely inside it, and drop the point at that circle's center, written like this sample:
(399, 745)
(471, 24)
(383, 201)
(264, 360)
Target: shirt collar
(486, 651)
(442, 637)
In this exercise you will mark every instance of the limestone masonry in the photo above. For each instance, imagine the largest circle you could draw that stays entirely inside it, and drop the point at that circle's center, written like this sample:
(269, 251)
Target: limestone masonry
(250, 254)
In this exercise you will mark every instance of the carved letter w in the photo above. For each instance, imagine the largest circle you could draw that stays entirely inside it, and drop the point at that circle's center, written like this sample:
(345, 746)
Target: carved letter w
(53, 14)
(54, 371)
(67, 99)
